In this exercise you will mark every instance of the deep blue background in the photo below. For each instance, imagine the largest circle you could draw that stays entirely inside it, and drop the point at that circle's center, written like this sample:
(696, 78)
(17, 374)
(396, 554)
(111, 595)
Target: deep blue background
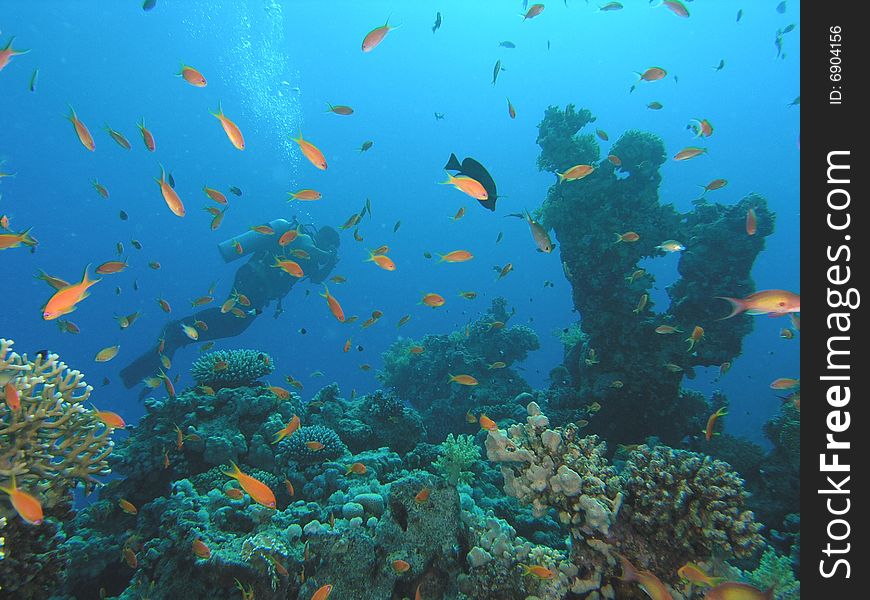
(274, 66)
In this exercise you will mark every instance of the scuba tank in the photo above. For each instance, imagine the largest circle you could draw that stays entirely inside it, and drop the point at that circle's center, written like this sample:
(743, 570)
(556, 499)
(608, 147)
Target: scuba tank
(251, 241)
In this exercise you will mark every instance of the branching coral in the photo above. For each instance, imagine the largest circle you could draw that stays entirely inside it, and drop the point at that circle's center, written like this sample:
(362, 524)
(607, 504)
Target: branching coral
(52, 442)
(775, 570)
(458, 455)
(231, 368)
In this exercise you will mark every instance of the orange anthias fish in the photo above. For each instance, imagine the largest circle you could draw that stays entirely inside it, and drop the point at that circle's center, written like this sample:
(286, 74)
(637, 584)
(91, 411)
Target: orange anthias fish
(470, 186)
(463, 379)
(311, 152)
(127, 507)
(231, 129)
(27, 506)
(738, 591)
(751, 222)
(8, 52)
(400, 566)
(382, 260)
(456, 256)
(288, 237)
(334, 306)
(711, 423)
(192, 76)
(534, 11)
(689, 152)
(432, 299)
(64, 300)
(677, 7)
(629, 236)
(256, 489)
(288, 429)
(487, 423)
(576, 172)
(340, 109)
(10, 393)
(695, 337)
(785, 383)
(147, 137)
(200, 549)
(512, 112)
(376, 36)
(14, 240)
(110, 419)
(288, 266)
(538, 571)
(650, 584)
(85, 136)
(214, 195)
(169, 195)
(701, 127)
(651, 74)
(129, 557)
(322, 593)
(112, 266)
(356, 468)
(666, 329)
(422, 496)
(716, 184)
(696, 575)
(314, 445)
(775, 303)
(305, 195)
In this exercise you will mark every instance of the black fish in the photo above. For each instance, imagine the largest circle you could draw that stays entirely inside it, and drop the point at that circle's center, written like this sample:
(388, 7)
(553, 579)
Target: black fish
(439, 116)
(106, 381)
(396, 226)
(471, 168)
(235, 190)
(123, 215)
(365, 146)
(720, 66)
(495, 71)
(33, 80)
(135, 285)
(437, 24)
(148, 5)
(171, 180)
(739, 15)
(780, 8)
(507, 44)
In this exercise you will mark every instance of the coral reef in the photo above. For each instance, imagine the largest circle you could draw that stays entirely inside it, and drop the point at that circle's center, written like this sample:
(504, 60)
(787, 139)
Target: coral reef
(376, 420)
(663, 498)
(424, 378)
(616, 314)
(231, 368)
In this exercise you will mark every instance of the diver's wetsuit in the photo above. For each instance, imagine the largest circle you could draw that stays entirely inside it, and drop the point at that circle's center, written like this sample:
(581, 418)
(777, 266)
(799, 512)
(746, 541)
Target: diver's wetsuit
(257, 279)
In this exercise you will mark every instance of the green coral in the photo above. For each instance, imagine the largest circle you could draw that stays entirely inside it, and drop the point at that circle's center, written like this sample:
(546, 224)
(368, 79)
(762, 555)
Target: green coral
(458, 454)
(775, 570)
(243, 368)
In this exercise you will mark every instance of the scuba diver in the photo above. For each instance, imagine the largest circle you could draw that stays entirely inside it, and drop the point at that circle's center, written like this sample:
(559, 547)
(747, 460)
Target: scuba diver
(258, 279)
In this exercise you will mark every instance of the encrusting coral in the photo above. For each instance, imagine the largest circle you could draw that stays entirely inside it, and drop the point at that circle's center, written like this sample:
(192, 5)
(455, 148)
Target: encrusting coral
(52, 442)
(231, 368)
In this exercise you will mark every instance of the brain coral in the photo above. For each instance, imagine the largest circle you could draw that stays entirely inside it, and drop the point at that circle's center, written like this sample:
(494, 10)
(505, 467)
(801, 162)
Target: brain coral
(231, 368)
(296, 447)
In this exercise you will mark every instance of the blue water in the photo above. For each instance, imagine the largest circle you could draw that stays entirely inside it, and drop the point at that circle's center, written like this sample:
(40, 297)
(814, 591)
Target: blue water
(274, 66)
